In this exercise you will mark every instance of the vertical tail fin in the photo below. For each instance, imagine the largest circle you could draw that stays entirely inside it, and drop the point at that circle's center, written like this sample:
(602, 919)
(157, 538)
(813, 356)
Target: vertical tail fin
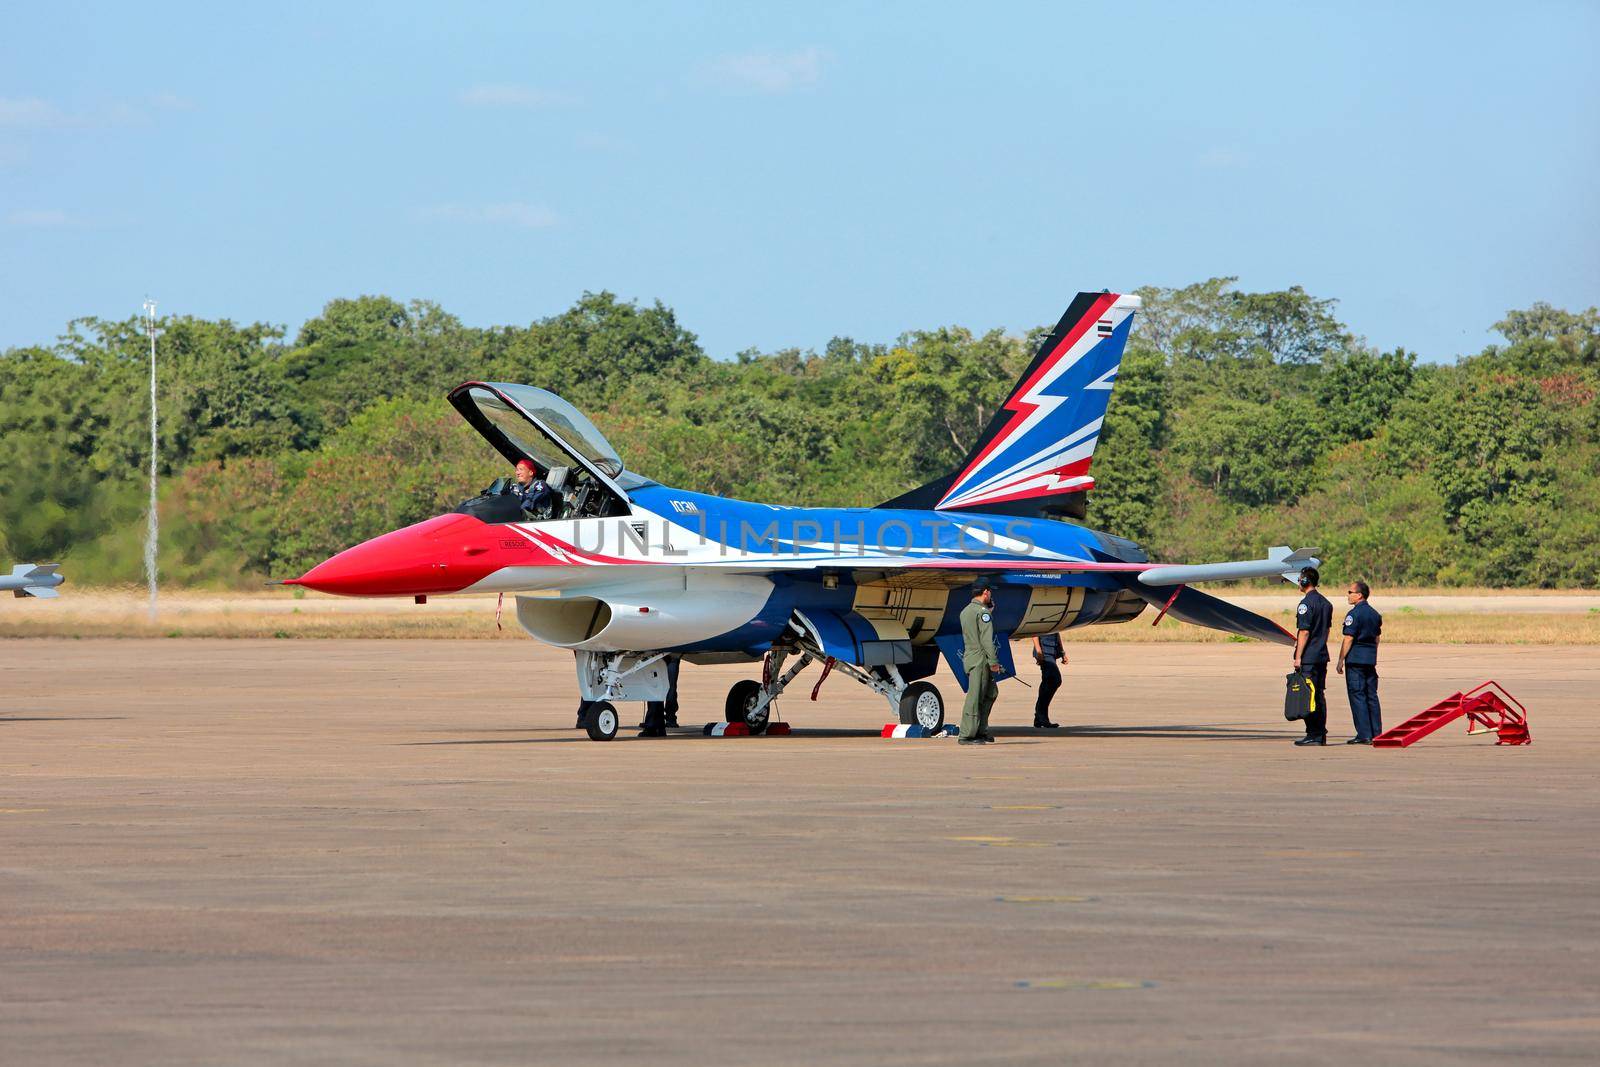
(1037, 449)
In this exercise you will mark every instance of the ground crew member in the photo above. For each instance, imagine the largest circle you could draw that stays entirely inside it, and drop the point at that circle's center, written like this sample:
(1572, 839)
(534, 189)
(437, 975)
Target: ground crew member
(583, 705)
(1046, 653)
(1362, 628)
(660, 714)
(1313, 619)
(981, 662)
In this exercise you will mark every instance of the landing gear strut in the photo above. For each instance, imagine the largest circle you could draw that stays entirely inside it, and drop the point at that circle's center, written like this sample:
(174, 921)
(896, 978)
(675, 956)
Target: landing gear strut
(605, 677)
(750, 701)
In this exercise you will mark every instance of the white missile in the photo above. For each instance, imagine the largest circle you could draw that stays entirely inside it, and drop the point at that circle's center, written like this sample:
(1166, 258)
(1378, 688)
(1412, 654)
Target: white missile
(1280, 562)
(33, 579)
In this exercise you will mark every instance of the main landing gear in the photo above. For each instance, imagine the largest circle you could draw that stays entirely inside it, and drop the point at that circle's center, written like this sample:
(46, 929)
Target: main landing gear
(750, 702)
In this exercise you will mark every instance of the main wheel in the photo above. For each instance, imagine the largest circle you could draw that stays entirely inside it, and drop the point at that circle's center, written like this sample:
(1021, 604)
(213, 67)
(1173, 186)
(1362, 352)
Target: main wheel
(741, 699)
(601, 722)
(921, 705)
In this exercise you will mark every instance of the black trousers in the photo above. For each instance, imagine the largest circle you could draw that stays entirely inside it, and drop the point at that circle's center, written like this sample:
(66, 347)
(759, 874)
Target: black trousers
(659, 714)
(1361, 683)
(1317, 721)
(1049, 682)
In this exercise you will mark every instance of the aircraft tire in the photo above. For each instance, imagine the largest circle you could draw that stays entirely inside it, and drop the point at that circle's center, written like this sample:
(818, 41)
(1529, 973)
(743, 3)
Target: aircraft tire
(602, 721)
(922, 705)
(740, 698)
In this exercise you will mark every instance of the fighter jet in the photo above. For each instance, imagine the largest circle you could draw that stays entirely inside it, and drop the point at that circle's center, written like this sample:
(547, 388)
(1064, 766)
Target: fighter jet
(33, 579)
(627, 572)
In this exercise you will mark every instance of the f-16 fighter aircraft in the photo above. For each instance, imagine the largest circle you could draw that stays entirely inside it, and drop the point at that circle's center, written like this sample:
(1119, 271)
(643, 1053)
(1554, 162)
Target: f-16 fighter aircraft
(627, 572)
(33, 579)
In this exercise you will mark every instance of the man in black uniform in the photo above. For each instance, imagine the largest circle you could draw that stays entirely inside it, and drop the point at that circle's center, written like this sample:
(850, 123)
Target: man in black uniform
(1046, 653)
(660, 714)
(1362, 628)
(1313, 619)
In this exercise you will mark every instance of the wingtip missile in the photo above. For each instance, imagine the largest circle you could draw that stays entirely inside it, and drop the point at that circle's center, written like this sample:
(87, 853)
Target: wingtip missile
(1280, 561)
(33, 579)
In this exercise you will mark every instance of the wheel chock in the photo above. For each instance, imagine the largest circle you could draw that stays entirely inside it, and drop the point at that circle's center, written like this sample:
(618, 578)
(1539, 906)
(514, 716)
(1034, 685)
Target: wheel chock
(900, 729)
(777, 729)
(726, 729)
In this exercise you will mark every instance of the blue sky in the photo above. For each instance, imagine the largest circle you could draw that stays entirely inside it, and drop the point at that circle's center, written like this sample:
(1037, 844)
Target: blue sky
(783, 174)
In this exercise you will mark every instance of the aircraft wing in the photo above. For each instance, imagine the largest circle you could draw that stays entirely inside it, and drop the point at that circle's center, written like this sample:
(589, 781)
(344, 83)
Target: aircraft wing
(1279, 562)
(1165, 586)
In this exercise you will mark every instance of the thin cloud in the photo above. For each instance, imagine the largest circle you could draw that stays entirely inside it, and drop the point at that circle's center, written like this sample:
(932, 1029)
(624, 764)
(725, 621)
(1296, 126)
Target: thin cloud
(172, 102)
(602, 142)
(31, 111)
(48, 219)
(767, 72)
(515, 96)
(511, 213)
(1220, 158)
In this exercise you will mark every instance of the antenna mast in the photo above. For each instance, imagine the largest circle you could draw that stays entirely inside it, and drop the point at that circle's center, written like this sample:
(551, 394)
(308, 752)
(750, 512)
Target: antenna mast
(152, 531)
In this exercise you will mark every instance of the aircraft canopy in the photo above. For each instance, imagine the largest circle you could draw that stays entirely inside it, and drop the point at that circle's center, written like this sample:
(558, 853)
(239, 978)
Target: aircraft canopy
(524, 421)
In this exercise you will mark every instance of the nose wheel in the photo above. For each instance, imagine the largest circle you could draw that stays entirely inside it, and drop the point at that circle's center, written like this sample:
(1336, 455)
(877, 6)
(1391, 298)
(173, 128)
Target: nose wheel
(602, 721)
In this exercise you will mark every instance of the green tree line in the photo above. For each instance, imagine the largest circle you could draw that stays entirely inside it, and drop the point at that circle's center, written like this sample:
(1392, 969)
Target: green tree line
(1239, 420)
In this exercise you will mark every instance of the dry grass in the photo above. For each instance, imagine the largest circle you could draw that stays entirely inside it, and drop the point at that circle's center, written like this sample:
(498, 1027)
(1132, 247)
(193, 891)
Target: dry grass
(101, 613)
(1466, 628)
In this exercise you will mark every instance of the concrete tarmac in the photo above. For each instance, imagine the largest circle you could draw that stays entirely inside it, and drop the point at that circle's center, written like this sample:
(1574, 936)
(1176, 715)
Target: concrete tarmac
(381, 852)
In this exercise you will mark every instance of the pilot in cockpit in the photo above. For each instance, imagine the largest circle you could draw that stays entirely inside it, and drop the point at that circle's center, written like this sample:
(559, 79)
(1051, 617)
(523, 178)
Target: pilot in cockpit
(538, 499)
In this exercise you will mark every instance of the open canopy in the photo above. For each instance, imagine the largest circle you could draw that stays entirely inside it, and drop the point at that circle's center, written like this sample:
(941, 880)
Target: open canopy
(526, 422)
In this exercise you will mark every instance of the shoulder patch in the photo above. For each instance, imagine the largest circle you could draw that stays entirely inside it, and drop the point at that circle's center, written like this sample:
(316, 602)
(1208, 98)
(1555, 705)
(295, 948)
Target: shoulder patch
(1302, 609)
(1348, 619)
(984, 617)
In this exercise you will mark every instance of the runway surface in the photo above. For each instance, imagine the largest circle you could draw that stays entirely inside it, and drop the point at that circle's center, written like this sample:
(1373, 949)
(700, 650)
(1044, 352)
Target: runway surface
(399, 852)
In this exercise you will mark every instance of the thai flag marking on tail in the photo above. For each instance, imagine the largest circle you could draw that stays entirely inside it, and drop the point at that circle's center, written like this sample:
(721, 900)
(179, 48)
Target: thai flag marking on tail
(1042, 440)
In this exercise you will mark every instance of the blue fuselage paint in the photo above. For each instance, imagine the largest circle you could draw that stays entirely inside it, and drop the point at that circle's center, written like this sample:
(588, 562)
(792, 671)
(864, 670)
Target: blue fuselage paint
(836, 542)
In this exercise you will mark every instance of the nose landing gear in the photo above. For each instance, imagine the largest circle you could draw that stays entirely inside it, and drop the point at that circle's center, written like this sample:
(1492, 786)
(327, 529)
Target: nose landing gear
(601, 721)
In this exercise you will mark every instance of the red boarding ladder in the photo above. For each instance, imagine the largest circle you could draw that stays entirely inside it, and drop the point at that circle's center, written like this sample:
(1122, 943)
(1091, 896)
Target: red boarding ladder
(1487, 707)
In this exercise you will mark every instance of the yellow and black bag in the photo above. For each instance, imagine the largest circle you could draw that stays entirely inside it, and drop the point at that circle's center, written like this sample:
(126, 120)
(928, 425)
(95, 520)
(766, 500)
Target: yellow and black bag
(1301, 698)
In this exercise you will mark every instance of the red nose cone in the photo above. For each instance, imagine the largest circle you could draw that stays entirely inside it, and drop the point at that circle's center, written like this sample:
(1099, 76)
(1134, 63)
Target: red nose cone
(442, 555)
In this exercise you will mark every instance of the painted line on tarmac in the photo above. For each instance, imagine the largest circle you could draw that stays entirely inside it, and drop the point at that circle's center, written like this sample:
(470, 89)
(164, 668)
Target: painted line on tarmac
(1085, 983)
(1047, 900)
(1002, 842)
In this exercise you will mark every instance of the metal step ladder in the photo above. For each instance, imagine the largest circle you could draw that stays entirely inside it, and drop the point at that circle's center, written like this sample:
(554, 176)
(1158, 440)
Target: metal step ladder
(1488, 707)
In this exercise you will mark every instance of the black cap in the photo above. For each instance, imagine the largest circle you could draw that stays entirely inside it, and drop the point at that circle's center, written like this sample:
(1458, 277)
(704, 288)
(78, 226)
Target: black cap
(980, 585)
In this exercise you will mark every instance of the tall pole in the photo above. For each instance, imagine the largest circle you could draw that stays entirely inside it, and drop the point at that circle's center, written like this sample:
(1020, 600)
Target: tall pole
(152, 530)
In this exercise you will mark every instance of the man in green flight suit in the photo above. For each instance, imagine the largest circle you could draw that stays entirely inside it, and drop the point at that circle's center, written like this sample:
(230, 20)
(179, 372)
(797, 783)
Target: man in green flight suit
(980, 661)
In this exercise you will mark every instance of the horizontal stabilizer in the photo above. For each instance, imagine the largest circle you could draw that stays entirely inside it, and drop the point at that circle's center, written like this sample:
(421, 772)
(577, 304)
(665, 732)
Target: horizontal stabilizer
(43, 592)
(1202, 609)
